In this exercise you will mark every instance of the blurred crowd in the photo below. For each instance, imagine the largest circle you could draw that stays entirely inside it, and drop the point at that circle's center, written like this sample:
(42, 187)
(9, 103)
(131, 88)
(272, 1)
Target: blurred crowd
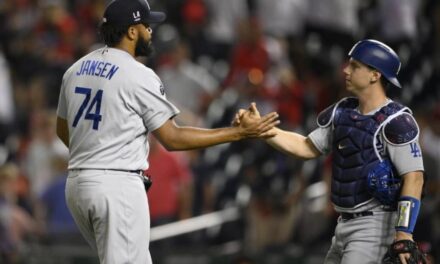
(214, 57)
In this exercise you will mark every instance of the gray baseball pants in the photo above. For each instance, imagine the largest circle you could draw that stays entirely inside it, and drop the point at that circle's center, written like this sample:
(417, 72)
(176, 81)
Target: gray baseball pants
(362, 240)
(111, 211)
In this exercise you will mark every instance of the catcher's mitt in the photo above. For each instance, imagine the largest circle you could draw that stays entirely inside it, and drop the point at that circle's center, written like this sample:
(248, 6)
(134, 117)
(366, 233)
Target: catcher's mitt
(401, 247)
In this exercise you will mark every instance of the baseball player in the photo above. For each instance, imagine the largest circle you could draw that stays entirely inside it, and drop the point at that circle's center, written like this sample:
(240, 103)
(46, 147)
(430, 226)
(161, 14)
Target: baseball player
(377, 170)
(108, 104)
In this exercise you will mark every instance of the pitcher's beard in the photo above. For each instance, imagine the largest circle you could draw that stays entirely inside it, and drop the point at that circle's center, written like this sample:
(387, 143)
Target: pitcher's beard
(143, 48)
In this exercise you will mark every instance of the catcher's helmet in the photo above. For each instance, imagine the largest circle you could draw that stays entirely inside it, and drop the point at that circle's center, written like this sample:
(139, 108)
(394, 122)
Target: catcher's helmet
(379, 56)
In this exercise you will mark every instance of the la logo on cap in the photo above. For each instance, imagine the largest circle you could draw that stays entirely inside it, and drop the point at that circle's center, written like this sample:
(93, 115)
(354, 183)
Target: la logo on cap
(137, 16)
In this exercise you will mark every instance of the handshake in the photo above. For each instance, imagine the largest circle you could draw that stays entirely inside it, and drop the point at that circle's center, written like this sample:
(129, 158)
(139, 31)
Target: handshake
(253, 125)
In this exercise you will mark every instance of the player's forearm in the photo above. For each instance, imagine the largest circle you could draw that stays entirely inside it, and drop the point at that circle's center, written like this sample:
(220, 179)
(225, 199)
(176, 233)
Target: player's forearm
(187, 138)
(411, 193)
(293, 144)
(412, 184)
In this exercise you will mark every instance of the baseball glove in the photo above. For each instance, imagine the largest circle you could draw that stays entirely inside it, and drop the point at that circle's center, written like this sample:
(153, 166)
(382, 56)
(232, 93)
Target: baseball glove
(401, 247)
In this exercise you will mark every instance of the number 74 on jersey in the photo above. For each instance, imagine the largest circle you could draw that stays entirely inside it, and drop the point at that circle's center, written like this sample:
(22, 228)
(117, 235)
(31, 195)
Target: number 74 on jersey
(93, 111)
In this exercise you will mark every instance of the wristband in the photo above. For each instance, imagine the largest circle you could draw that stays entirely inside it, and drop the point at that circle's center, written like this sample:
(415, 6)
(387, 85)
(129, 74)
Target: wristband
(408, 211)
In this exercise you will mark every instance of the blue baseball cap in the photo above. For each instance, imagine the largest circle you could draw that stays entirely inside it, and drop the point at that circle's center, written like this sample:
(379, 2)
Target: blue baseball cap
(131, 12)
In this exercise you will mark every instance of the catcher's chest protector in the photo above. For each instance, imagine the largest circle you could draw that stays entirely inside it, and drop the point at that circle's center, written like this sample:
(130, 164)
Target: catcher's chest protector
(353, 151)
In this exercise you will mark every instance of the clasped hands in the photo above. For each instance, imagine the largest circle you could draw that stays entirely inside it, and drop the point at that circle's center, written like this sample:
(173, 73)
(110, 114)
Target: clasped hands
(253, 124)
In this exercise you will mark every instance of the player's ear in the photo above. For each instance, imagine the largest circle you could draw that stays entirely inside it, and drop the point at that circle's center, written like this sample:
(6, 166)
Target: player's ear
(375, 77)
(132, 33)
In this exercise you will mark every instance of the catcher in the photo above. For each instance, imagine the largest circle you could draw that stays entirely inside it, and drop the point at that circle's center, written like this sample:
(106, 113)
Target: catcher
(377, 170)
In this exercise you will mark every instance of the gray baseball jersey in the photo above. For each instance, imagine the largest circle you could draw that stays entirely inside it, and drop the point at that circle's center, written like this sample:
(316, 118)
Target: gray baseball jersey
(111, 102)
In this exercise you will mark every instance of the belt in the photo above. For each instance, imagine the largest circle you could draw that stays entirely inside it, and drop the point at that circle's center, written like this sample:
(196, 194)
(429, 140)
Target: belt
(139, 172)
(349, 216)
